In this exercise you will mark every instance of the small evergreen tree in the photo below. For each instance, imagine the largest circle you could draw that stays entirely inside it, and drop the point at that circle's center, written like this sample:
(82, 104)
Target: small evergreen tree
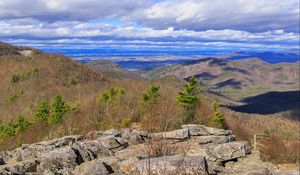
(110, 103)
(58, 109)
(43, 111)
(151, 95)
(189, 99)
(110, 96)
(218, 116)
(21, 124)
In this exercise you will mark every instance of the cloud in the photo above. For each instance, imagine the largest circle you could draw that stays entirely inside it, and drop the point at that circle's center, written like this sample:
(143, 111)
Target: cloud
(246, 15)
(190, 24)
(68, 10)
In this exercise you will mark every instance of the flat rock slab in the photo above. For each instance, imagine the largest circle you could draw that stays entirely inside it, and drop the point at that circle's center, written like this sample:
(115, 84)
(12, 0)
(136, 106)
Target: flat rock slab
(94, 167)
(180, 134)
(228, 151)
(58, 159)
(172, 165)
(201, 130)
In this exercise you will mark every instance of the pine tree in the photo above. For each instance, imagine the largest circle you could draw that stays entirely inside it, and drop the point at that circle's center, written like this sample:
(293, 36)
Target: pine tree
(43, 111)
(218, 116)
(151, 95)
(189, 99)
(58, 109)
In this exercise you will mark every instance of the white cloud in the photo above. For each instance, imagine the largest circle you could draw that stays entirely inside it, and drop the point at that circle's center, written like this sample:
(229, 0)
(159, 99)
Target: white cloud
(56, 10)
(181, 23)
(247, 15)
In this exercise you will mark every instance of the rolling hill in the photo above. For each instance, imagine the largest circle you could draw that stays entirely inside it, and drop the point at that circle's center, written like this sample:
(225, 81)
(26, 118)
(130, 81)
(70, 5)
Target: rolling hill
(236, 79)
(29, 78)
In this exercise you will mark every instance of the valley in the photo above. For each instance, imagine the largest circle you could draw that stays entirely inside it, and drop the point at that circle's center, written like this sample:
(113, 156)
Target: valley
(47, 96)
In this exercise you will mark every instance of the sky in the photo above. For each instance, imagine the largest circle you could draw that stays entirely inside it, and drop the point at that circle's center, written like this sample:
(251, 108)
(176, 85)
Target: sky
(151, 26)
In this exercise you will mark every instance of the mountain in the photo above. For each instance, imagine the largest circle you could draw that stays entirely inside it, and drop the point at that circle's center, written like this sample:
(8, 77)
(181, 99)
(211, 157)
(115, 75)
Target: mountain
(292, 55)
(236, 79)
(110, 69)
(47, 96)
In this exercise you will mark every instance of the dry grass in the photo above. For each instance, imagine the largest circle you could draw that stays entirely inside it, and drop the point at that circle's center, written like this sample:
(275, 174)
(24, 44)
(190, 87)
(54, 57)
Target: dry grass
(280, 151)
(78, 84)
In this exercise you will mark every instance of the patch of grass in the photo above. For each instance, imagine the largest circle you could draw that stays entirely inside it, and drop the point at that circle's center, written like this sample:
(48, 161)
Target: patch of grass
(24, 76)
(12, 98)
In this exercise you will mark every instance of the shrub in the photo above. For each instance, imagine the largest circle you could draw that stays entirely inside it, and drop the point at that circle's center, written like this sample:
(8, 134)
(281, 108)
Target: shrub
(43, 111)
(12, 98)
(111, 104)
(13, 127)
(125, 122)
(218, 116)
(189, 99)
(111, 96)
(58, 109)
(15, 78)
(151, 95)
(280, 151)
(24, 76)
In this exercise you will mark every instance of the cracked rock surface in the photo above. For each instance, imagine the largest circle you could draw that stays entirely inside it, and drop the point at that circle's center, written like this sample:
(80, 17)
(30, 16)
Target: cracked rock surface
(193, 149)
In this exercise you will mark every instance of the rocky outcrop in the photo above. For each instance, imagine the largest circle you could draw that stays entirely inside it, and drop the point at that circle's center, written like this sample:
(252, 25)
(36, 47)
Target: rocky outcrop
(194, 149)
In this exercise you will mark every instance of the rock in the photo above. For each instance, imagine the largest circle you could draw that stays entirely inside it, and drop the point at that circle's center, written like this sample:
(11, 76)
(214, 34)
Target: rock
(194, 149)
(180, 134)
(215, 139)
(196, 130)
(139, 151)
(113, 132)
(127, 165)
(134, 137)
(201, 130)
(22, 167)
(113, 162)
(2, 162)
(172, 165)
(94, 167)
(30, 151)
(58, 159)
(93, 135)
(228, 151)
(109, 142)
(85, 154)
(95, 149)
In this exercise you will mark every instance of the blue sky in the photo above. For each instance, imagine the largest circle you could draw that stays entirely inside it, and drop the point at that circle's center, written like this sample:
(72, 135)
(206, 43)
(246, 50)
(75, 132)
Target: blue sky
(152, 25)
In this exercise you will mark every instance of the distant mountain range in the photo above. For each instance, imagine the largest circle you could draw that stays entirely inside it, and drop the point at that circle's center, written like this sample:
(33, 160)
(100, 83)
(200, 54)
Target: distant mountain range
(147, 63)
(237, 78)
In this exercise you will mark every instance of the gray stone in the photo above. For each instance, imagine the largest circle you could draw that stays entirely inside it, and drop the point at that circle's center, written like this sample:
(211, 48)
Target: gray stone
(215, 139)
(139, 151)
(94, 167)
(109, 142)
(58, 159)
(180, 134)
(172, 165)
(228, 151)
(95, 149)
(113, 132)
(22, 167)
(201, 130)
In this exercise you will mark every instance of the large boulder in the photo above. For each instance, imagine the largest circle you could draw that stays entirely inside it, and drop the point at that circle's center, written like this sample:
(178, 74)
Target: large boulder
(228, 151)
(172, 165)
(58, 159)
(180, 134)
(201, 130)
(94, 167)
(20, 167)
(215, 139)
(110, 142)
(94, 149)
(134, 137)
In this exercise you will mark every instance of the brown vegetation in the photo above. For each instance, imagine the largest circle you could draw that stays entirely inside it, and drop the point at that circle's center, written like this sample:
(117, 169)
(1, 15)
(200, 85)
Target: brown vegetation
(81, 87)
